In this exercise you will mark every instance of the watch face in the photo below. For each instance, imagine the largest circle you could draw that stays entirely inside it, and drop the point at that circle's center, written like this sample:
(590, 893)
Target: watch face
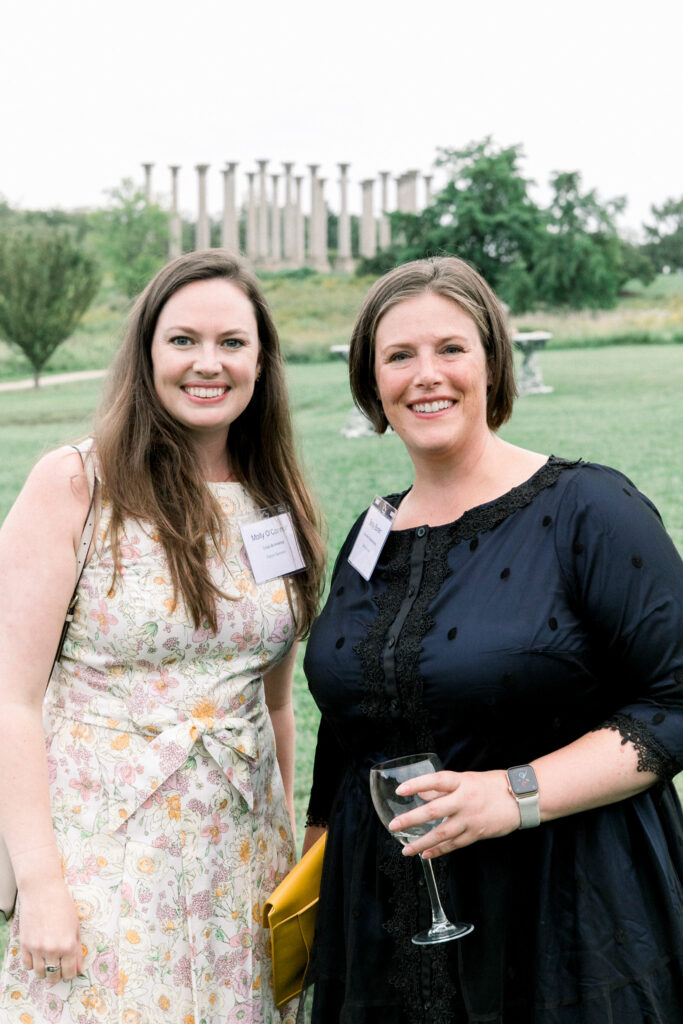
(523, 780)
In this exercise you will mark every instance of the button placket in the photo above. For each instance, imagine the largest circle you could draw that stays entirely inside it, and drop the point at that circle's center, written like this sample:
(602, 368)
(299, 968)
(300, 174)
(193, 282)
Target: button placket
(394, 631)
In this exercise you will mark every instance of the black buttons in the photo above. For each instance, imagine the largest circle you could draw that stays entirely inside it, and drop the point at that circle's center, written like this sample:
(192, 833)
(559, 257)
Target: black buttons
(637, 562)
(391, 641)
(340, 591)
(547, 520)
(474, 544)
(411, 591)
(395, 706)
(577, 548)
(658, 718)
(505, 573)
(452, 633)
(552, 622)
(421, 530)
(340, 643)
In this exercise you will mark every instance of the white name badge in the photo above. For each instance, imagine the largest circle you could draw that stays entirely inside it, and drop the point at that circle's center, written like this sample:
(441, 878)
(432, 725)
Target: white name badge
(270, 543)
(372, 537)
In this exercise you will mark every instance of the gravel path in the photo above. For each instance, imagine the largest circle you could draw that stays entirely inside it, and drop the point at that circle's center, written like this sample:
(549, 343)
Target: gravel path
(51, 378)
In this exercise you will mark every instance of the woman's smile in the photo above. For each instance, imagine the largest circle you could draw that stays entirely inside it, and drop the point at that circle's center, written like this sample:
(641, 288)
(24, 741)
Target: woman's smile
(432, 374)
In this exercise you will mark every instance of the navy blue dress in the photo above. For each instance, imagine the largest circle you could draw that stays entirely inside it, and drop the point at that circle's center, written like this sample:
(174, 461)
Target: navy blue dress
(552, 611)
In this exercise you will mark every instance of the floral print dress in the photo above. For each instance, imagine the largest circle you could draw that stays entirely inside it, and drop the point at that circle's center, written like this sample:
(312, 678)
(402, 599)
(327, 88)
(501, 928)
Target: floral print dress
(167, 799)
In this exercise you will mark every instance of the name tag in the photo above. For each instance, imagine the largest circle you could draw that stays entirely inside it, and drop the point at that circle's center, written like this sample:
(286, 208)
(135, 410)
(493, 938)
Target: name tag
(271, 544)
(372, 537)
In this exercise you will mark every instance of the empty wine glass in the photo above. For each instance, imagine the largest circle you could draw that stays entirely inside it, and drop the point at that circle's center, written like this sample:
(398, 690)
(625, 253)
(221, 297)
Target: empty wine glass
(384, 778)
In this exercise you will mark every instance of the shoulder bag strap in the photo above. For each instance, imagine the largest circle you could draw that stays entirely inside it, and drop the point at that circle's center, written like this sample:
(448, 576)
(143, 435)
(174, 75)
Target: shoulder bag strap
(85, 543)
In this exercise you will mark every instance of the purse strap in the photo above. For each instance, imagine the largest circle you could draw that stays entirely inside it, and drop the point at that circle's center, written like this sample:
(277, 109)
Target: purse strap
(85, 452)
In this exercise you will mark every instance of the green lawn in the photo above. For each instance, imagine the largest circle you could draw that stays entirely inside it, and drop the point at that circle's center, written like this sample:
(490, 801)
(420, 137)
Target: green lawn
(619, 406)
(317, 311)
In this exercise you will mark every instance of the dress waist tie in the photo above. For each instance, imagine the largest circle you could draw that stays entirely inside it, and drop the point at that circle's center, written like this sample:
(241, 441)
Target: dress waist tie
(232, 742)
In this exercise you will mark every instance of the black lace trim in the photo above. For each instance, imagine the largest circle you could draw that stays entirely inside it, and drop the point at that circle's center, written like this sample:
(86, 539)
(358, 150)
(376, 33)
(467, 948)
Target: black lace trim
(652, 756)
(411, 731)
(313, 821)
(486, 517)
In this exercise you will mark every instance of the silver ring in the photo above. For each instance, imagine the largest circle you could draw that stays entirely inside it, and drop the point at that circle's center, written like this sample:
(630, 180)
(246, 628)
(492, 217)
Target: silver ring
(51, 968)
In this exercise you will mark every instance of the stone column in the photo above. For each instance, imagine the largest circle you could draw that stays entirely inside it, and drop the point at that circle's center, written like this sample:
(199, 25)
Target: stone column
(262, 213)
(275, 244)
(289, 220)
(313, 218)
(230, 231)
(299, 221)
(148, 181)
(368, 243)
(411, 191)
(400, 193)
(428, 188)
(203, 235)
(252, 240)
(175, 230)
(322, 262)
(344, 259)
(384, 224)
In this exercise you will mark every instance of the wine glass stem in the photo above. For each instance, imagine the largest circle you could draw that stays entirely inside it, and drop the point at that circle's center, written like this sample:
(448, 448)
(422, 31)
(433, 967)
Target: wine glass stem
(438, 916)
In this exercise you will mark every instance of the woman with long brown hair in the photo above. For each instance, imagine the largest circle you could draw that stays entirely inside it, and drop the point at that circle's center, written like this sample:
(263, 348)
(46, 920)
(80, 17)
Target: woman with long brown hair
(146, 836)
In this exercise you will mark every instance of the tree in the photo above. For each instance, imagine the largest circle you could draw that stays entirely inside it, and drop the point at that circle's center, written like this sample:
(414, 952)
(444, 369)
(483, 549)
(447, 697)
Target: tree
(636, 264)
(577, 263)
(664, 243)
(46, 284)
(132, 237)
(484, 215)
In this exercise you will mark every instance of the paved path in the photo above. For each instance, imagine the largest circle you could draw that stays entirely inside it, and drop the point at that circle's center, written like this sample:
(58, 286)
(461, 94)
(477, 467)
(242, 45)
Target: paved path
(51, 378)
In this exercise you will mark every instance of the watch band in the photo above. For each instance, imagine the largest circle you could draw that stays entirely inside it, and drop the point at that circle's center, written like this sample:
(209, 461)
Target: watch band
(529, 812)
(523, 786)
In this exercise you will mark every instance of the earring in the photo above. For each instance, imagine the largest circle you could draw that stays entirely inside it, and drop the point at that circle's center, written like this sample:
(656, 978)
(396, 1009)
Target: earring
(258, 376)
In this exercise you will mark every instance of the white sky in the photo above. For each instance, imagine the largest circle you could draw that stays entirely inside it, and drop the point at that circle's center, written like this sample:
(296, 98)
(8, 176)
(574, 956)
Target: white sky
(90, 90)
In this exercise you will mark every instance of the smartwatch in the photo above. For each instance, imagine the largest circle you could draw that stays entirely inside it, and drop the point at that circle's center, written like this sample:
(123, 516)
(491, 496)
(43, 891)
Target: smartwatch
(523, 785)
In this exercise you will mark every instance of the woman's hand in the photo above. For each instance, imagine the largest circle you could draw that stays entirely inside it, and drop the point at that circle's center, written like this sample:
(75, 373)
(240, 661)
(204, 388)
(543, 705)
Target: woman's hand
(474, 805)
(49, 931)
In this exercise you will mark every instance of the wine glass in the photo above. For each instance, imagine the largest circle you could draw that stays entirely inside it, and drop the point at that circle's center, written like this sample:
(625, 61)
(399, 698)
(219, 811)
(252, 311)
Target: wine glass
(384, 778)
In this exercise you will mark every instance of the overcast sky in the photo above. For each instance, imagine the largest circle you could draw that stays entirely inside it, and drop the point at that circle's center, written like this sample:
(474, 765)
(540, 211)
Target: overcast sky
(90, 90)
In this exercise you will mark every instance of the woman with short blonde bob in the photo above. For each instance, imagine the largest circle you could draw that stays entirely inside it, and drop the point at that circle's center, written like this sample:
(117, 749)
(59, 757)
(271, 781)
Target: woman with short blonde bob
(524, 621)
(146, 837)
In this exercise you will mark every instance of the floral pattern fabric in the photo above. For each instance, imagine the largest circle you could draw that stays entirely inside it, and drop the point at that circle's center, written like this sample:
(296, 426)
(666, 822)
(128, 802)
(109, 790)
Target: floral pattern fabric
(167, 800)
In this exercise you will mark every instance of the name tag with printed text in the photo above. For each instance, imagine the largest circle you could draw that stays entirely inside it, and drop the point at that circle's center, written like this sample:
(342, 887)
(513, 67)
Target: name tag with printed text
(270, 543)
(372, 537)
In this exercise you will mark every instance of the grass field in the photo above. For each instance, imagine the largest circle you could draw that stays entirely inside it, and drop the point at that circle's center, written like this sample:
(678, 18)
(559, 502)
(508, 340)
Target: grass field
(619, 406)
(315, 312)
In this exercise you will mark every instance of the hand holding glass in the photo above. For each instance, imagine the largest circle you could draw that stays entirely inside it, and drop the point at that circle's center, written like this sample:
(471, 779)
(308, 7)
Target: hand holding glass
(384, 778)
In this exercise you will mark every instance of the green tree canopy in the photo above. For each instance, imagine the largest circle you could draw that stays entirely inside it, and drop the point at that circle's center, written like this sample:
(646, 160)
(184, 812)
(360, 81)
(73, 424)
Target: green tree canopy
(484, 214)
(131, 237)
(568, 254)
(47, 283)
(664, 243)
(577, 263)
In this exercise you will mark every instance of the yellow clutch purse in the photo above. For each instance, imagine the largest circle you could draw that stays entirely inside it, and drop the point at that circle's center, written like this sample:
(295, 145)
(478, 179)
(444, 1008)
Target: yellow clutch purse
(290, 915)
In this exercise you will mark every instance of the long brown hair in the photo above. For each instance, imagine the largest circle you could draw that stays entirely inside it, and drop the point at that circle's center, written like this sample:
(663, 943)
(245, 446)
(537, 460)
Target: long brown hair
(454, 279)
(148, 465)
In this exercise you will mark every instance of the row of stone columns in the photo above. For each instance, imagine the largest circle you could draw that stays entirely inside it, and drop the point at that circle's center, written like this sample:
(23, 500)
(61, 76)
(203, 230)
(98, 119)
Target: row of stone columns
(275, 233)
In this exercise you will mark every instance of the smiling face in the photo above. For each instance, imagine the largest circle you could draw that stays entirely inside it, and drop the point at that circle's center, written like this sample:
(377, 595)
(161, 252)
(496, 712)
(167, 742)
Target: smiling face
(432, 374)
(205, 356)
